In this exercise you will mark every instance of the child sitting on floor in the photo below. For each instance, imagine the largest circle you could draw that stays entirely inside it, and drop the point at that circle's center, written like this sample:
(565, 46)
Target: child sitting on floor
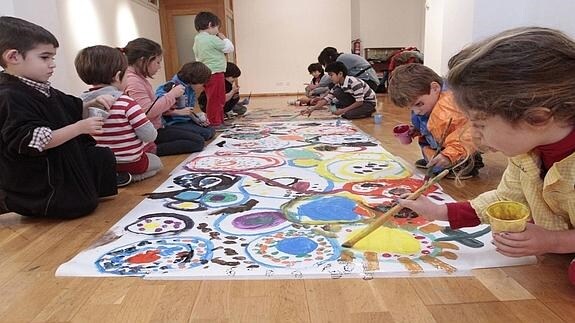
(233, 104)
(192, 76)
(318, 87)
(443, 131)
(520, 99)
(355, 99)
(49, 164)
(126, 129)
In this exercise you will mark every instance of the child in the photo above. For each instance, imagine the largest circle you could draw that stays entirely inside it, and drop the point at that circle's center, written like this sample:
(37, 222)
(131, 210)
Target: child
(356, 65)
(443, 131)
(520, 99)
(144, 58)
(126, 129)
(318, 87)
(49, 165)
(192, 76)
(355, 99)
(233, 104)
(210, 47)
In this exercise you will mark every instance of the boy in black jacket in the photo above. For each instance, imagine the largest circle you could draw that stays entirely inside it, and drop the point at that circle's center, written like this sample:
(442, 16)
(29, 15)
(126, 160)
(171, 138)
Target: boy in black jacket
(49, 165)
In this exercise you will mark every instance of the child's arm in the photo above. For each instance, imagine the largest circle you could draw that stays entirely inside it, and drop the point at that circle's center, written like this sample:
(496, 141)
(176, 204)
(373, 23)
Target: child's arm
(92, 126)
(233, 92)
(228, 47)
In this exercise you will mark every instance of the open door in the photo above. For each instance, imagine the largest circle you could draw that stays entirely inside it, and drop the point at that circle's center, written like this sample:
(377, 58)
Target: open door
(178, 31)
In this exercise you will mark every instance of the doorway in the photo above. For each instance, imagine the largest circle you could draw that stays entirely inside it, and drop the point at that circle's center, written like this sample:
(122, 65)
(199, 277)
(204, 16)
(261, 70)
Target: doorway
(178, 31)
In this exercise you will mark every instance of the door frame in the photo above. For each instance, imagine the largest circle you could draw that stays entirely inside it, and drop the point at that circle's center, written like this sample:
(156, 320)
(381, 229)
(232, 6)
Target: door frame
(171, 8)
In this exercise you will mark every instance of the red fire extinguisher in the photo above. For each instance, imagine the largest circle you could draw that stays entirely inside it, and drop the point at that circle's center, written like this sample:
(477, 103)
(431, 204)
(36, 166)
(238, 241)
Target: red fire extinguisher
(356, 46)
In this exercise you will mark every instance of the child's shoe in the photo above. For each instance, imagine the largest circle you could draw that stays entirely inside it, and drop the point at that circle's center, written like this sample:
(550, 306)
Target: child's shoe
(421, 163)
(123, 179)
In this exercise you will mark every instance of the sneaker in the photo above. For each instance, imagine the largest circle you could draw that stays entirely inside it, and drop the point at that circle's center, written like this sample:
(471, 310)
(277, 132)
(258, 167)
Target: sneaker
(421, 163)
(123, 179)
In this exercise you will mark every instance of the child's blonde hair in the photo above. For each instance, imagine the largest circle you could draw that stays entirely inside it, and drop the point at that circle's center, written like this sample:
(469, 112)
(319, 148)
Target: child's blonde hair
(515, 73)
(409, 82)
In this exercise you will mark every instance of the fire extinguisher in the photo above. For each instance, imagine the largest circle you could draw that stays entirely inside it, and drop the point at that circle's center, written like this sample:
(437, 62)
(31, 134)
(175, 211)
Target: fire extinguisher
(356, 46)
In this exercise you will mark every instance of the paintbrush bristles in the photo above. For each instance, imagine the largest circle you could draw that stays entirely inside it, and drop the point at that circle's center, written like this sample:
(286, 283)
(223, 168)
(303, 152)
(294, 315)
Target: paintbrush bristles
(391, 212)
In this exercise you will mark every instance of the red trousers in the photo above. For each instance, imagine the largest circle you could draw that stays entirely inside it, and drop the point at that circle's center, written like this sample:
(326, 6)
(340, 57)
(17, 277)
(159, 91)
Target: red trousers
(216, 95)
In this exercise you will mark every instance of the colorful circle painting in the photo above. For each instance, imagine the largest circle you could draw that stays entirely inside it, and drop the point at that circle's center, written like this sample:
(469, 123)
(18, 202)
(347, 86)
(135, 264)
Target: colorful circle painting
(156, 256)
(389, 188)
(358, 139)
(324, 209)
(253, 222)
(206, 182)
(189, 206)
(293, 249)
(223, 199)
(362, 166)
(241, 162)
(281, 183)
(160, 223)
(327, 129)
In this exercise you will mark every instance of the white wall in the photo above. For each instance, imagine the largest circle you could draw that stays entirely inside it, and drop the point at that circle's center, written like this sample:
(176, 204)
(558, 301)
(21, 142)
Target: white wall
(463, 22)
(80, 23)
(391, 23)
(277, 40)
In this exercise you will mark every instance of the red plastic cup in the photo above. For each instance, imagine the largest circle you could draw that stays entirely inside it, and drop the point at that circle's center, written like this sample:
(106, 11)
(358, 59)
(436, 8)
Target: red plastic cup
(401, 132)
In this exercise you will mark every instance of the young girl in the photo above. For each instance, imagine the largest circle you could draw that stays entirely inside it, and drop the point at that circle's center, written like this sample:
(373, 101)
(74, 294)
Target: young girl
(520, 98)
(126, 129)
(144, 58)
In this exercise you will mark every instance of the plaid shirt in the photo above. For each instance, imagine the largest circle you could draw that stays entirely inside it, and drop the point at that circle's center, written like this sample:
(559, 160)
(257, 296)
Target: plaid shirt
(360, 91)
(551, 200)
(41, 135)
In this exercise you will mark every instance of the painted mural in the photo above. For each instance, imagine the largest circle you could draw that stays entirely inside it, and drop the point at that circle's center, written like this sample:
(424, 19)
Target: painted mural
(277, 200)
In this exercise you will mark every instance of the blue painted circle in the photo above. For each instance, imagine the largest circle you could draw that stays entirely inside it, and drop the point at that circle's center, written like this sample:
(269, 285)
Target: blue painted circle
(296, 246)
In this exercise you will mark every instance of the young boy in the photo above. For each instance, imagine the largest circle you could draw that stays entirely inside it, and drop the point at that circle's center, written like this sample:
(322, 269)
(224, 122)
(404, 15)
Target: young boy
(355, 99)
(192, 76)
(233, 104)
(49, 165)
(318, 87)
(442, 129)
(126, 128)
(210, 47)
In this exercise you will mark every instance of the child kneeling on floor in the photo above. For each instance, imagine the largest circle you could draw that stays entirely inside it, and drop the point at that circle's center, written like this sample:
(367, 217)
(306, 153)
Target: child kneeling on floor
(443, 131)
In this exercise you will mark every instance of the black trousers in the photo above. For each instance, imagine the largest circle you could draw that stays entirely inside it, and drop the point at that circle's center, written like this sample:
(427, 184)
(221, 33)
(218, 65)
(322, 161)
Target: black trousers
(346, 99)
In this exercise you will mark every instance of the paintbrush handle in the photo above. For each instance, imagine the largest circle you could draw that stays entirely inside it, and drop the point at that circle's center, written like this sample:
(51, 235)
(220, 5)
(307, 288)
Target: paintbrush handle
(391, 212)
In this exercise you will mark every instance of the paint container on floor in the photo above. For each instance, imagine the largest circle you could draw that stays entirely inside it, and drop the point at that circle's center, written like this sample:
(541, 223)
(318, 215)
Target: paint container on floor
(401, 132)
(507, 216)
(332, 108)
(377, 118)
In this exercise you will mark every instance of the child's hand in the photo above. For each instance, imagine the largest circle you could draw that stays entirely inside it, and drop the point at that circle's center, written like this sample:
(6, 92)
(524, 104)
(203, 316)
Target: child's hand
(413, 132)
(104, 101)
(425, 208)
(307, 111)
(91, 126)
(177, 91)
(535, 240)
(440, 160)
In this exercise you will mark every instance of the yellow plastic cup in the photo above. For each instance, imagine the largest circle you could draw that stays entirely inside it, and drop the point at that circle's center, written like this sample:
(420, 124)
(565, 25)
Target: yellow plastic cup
(507, 216)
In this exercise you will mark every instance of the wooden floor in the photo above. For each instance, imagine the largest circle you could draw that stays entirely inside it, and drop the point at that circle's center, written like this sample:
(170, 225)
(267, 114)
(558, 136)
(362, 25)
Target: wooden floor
(31, 250)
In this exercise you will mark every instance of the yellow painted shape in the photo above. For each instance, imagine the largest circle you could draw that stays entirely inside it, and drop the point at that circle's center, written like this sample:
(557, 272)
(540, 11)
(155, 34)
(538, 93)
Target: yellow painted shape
(151, 225)
(390, 240)
(305, 162)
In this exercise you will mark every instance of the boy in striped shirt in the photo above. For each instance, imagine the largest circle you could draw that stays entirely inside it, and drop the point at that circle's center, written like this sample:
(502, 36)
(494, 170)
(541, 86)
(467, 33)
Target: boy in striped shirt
(353, 98)
(127, 129)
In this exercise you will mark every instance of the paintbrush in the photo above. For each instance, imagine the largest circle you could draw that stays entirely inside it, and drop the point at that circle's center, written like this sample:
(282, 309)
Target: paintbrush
(391, 212)
(429, 172)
